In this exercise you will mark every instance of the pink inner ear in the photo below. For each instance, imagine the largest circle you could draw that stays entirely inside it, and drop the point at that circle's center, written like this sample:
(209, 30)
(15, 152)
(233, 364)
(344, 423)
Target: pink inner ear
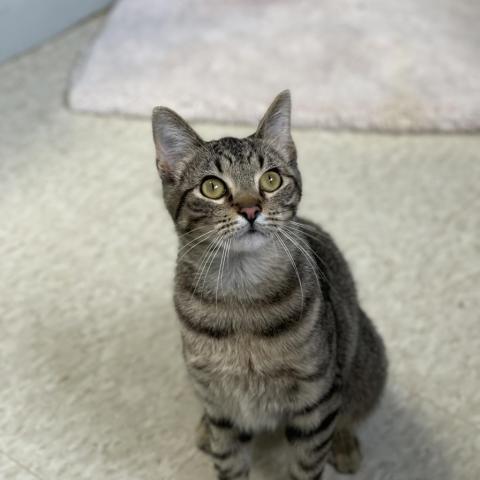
(165, 170)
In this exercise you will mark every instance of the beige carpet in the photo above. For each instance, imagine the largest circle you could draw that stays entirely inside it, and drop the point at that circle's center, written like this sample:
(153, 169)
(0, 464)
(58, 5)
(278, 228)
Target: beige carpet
(350, 64)
(92, 382)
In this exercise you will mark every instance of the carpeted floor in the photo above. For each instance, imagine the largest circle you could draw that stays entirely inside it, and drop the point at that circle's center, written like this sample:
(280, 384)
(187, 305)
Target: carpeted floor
(93, 385)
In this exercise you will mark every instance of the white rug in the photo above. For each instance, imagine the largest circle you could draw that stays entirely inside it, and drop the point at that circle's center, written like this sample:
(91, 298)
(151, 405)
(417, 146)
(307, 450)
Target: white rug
(371, 64)
(93, 385)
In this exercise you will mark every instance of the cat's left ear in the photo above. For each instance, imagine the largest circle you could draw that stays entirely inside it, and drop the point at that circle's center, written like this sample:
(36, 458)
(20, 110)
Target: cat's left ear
(175, 141)
(275, 126)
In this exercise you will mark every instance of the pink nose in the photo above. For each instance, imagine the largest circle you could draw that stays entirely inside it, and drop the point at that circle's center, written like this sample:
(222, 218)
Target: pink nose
(250, 213)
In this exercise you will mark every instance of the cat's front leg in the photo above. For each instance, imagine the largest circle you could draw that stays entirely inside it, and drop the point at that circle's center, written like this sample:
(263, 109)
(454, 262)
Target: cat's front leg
(310, 432)
(227, 445)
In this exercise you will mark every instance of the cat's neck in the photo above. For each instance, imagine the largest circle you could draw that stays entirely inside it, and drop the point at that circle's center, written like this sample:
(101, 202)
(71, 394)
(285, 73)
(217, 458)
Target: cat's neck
(246, 273)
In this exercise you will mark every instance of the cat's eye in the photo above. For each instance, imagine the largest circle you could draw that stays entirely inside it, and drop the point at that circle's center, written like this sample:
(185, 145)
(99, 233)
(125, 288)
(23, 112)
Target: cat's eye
(213, 188)
(270, 181)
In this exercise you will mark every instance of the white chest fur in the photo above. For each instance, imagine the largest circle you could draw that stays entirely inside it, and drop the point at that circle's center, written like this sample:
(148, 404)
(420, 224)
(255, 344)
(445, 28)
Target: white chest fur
(244, 272)
(242, 379)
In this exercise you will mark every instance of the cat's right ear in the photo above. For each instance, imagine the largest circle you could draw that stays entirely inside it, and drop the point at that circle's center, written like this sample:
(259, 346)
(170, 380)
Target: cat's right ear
(175, 141)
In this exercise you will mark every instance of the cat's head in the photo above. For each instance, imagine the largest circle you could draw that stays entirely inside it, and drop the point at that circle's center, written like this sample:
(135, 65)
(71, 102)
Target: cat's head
(241, 190)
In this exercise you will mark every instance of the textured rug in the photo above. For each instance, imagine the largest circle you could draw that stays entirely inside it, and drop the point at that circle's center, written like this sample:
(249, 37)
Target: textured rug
(93, 385)
(377, 64)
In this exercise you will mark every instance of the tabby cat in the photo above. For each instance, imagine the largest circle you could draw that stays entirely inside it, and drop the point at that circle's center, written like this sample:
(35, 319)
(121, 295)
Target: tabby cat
(273, 334)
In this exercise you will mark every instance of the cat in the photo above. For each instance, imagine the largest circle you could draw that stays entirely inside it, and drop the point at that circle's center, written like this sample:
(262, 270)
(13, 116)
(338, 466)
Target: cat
(272, 331)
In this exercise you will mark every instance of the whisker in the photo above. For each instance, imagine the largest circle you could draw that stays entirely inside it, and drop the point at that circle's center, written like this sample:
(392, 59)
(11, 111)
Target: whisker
(292, 261)
(201, 238)
(314, 230)
(204, 261)
(212, 258)
(308, 257)
(190, 231)
(220, 271)
(224, 226)
(227, 258)
(292, 229)
(323, 274)
(287, 210)
(294, 232)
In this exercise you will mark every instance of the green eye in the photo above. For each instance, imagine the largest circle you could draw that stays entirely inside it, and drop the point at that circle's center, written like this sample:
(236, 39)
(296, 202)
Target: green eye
(270, 181)
(213, 188)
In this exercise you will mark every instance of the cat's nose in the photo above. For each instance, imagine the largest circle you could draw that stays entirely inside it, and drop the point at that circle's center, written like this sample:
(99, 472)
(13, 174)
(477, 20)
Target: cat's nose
(250, 213)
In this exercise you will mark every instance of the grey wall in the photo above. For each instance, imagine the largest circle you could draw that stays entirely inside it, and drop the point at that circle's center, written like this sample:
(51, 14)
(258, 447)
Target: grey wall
(26, 23)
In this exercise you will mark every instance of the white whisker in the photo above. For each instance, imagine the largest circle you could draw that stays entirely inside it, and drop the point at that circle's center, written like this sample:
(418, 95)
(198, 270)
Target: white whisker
(316, 231)
(220, 270)
(292, 261)
(320, 259)
(200, 238)
(191, 231)
(204, 260)
(212, 256)
(308, 257)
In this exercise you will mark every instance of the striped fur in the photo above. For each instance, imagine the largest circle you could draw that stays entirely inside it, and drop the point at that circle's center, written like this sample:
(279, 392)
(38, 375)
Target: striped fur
(271, 326)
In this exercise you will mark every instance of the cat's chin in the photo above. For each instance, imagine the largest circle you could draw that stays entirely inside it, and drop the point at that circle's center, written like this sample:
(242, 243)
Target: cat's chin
(249, 241)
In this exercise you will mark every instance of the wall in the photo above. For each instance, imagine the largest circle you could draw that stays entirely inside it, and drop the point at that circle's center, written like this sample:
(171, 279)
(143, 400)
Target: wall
(26, 23)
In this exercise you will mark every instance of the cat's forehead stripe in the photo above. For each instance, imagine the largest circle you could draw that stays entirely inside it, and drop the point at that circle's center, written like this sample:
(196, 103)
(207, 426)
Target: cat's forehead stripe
(218, 164)
(234, 150)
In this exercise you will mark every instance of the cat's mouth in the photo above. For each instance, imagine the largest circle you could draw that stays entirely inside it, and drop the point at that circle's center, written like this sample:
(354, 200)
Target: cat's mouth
(251, 229)
(251, 235)
(250, 232)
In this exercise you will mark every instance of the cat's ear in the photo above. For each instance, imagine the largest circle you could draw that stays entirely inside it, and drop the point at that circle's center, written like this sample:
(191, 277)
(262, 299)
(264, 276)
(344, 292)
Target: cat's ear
(275, 125)
(175, 141)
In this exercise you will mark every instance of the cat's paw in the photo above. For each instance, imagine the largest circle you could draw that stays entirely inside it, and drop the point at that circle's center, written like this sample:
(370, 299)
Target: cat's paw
(345, 456)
